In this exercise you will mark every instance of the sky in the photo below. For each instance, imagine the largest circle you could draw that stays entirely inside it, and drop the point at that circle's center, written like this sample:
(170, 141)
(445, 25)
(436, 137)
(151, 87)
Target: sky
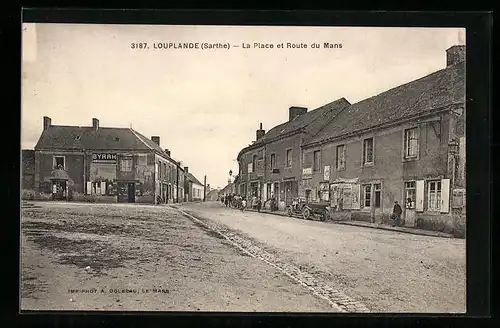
(206, 104)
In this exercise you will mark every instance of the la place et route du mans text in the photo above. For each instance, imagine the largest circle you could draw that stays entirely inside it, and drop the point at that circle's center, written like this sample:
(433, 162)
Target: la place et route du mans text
(220, 45)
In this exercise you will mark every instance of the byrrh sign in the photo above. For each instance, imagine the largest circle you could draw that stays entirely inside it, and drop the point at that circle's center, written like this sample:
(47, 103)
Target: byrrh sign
(106, 158)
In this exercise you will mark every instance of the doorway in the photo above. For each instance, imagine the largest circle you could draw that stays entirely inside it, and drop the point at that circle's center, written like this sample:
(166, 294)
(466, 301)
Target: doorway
(59, 190)
(131, 192)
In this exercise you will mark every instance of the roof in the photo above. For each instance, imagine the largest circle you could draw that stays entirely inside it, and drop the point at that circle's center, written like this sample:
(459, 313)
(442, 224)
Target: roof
(192, 178)
(426, 95)
(104, 138)
(309, 122)
(304, 121)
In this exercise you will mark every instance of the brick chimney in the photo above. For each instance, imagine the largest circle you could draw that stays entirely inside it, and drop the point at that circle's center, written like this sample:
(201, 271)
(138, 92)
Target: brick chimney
(260, 133)
(156, 140)
(167, 151)
(95, 124)
(295, 111)
(454, 55)
(186, 169)
(47, 121)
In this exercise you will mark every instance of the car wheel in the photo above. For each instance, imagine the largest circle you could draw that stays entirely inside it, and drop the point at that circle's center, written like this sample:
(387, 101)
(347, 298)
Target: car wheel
(290, 212)
(306, 214)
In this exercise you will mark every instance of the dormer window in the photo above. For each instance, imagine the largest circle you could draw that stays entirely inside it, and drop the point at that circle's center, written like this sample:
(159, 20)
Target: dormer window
(77, 138)
(117, 139)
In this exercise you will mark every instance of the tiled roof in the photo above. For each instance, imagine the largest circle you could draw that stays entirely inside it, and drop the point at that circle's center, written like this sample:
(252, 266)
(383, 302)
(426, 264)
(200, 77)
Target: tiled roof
(192, 178)
(80, 138)
(309, 121)
(432, 92)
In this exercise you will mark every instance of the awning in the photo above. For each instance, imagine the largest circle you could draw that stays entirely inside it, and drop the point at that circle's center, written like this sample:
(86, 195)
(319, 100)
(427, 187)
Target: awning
(59, 175)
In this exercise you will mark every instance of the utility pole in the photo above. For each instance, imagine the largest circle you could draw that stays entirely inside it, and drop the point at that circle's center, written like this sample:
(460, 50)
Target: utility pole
(205, 188)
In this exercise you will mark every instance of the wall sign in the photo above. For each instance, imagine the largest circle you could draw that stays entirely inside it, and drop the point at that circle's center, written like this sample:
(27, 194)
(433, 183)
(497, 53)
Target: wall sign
(326, 173)
(104, 158)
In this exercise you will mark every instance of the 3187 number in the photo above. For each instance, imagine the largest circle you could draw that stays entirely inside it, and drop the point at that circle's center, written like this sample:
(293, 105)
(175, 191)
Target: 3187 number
(140, 45)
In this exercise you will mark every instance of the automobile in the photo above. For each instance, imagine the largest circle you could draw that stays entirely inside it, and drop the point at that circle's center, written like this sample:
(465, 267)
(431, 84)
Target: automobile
(310, 210)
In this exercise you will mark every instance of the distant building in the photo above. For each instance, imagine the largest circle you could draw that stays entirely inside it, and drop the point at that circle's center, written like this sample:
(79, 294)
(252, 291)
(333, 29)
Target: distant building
(105, 163)
(193, 187)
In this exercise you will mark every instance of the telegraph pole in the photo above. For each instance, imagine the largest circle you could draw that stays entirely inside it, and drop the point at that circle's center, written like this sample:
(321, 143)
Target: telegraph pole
(205, 188)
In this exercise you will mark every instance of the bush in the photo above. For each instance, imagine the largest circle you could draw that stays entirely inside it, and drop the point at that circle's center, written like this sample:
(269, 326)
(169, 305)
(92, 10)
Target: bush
(28, 194)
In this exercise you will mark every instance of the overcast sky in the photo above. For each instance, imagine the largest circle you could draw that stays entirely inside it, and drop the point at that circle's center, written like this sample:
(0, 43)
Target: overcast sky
(206, 104)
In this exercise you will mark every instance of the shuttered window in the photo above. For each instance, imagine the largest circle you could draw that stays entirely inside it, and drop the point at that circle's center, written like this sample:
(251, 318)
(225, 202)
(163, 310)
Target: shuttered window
(434, 195)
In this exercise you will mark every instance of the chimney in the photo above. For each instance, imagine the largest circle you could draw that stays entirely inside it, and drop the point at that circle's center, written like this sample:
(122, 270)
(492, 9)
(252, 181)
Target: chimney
(168, 152)
(296, 111)
(260, 133)
(156, 140)
(95, 124)
(454, 55)
(47, 121)
(186, 169)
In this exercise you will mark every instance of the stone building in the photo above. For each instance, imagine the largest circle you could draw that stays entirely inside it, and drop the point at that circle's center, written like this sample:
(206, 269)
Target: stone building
(194, 189)
(406, 144)
(103, 164)
(271, 166)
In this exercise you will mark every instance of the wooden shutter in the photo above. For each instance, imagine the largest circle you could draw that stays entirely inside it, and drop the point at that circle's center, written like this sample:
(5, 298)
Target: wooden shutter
(103, 187)
(89, 187)
(419, 196)
(445, 195)
(355, 203)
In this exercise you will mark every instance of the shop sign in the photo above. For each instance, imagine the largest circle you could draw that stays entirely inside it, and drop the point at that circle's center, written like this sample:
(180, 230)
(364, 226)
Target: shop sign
(104, 158)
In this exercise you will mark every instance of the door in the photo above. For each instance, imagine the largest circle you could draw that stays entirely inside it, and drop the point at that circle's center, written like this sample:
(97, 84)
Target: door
(59, 190)
(288, 193)
(131, 192)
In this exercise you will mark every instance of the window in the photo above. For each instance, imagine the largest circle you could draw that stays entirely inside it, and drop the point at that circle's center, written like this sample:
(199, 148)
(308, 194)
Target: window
(288, 158)
(340, 157)
(377, 191)
(367, 195)
(126, 164)
(434, 196)
(59, 162)
(273, 161)
(368, 151)
(316, 161)
(411, 143)
(254, 162)
(410, 194)
(165, 170)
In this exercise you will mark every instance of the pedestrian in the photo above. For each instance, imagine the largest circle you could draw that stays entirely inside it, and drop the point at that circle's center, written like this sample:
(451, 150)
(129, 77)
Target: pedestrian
(243, 204)
(396, 214)
(259, 204)
(254, 202)
(226, 201)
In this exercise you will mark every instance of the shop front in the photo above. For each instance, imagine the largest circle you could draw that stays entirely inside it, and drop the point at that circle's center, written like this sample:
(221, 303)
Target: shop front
(61, 185)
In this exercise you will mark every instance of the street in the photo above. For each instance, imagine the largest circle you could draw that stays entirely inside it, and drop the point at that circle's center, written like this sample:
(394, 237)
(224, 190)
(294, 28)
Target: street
(78, 256)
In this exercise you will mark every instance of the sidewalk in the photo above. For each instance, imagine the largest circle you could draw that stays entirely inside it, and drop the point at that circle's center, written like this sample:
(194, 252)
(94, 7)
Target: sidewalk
(413, 231)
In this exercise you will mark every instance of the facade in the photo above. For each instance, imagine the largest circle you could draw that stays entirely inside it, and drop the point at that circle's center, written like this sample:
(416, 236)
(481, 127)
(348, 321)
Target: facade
(406, 144)
(28, 169)
(103, 164)
(195, 190)
(230, 188)
(271, 166)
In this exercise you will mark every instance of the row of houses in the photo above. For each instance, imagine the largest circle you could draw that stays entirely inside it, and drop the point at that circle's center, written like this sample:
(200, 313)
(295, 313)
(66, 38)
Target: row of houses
(406, 144)
(105, 164)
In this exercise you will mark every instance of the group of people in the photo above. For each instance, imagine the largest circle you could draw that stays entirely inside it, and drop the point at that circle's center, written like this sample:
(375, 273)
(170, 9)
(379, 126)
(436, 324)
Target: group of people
(241, 203)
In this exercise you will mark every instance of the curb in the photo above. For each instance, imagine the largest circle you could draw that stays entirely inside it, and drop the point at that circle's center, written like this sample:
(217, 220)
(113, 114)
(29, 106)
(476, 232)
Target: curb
(379, 227)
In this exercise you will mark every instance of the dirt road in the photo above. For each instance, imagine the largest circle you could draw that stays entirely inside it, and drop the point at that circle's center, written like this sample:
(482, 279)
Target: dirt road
(387, 271)
(143, 258)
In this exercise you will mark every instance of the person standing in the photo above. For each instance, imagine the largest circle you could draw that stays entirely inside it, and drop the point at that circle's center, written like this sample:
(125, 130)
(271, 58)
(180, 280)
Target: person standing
(396, 214)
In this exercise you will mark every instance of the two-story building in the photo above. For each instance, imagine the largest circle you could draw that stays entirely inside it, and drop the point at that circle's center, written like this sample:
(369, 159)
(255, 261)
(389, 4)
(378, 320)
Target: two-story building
(406, 144)
(103, 163)
(271, 166)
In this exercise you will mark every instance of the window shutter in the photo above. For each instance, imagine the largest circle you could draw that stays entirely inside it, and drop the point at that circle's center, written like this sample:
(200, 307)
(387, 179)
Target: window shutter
(103, 187)
(445, 195)
(355, 204)
(419, 196)
(89, 187)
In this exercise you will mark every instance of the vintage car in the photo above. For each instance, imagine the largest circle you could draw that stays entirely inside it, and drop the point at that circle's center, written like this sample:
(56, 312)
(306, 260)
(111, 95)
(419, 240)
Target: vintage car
(310, 210)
